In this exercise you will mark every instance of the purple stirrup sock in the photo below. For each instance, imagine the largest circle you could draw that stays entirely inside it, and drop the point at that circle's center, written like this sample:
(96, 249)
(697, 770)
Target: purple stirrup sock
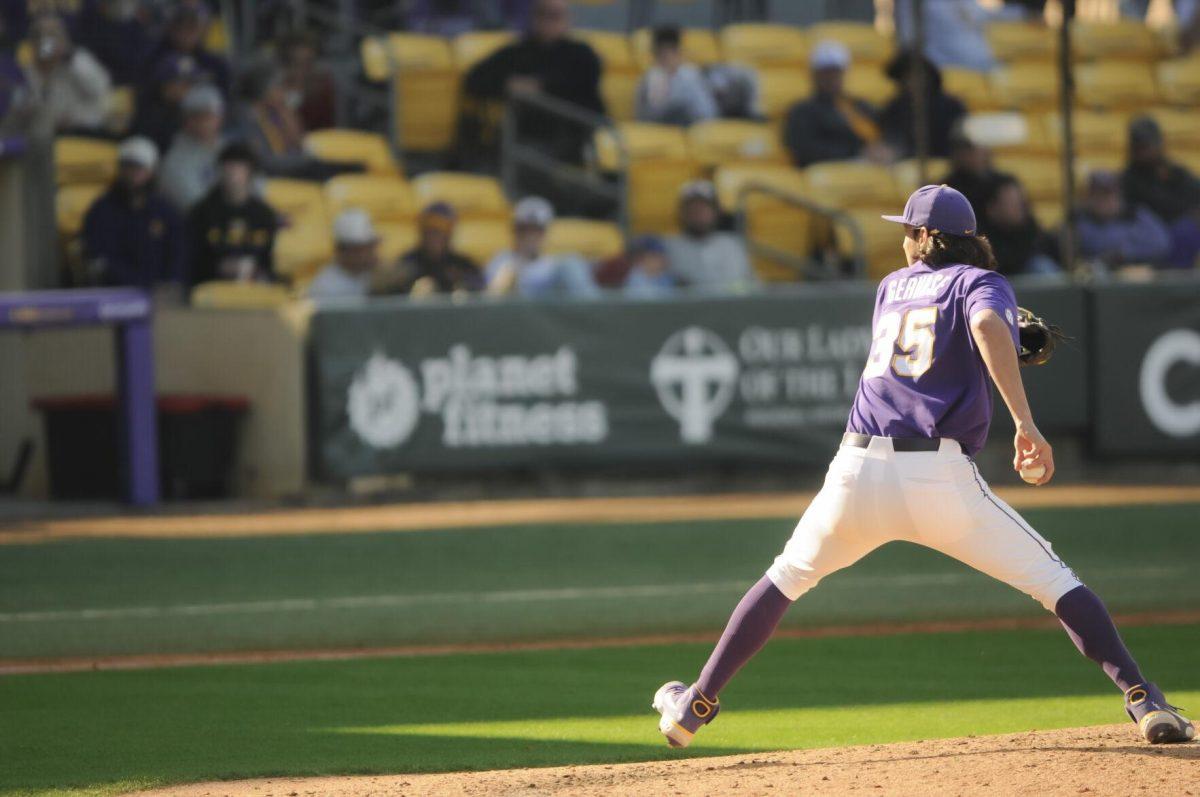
(749, 628)
(1091, 628)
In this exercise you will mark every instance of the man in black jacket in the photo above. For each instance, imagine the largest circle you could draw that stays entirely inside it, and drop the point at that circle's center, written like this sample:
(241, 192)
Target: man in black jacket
(830, 125)
(232, 231)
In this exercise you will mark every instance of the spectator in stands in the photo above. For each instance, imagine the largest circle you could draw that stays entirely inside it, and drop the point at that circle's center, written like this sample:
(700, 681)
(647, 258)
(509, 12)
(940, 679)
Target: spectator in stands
(15, 99)
(117, 35)
(1020, 245)
(71, 90)
(269, 123)
(673, 92)
(184, 38)
(830, 125)
(190, 165)
(1114, 233)
(701, 256)
(159, 114)
(1151, 179)
(308, 85)
(955, 30)
(544, 61)
(16, 16)
(898, 118)
(527, 270)
(352, 273)
(131, 234)
(971, 171)
(232, 230)
(432, 266)
(650, 275)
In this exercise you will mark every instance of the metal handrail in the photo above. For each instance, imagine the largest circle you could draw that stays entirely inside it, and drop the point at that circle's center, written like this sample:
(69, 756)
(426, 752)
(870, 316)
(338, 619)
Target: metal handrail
(801, 265)
(514, 153)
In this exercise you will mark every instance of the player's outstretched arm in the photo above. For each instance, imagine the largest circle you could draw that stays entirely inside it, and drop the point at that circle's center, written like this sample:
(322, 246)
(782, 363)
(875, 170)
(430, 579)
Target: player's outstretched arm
(995, 342)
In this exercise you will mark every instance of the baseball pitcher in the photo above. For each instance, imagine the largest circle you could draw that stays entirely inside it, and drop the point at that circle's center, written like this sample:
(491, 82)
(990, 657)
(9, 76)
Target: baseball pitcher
(943, 326)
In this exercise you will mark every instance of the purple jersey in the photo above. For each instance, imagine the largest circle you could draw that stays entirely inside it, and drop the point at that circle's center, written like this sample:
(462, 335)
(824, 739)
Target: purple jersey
(924, 376)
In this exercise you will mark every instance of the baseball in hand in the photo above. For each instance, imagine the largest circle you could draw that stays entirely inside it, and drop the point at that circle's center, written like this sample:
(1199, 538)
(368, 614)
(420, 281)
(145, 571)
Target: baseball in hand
(1033, 473)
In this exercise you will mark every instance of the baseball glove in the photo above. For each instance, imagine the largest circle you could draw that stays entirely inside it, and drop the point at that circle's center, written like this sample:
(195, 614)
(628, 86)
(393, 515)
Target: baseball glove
(1038, 338)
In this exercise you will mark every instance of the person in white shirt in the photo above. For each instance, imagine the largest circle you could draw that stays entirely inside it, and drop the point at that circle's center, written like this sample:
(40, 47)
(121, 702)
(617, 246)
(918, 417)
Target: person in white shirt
(530, 272)
(351, 273)
(701, 256)
(189, 169)
(671, 91)
(71, 90)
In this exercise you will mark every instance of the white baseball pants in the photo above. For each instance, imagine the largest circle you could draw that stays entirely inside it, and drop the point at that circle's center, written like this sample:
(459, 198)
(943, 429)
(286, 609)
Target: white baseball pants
(875, 495)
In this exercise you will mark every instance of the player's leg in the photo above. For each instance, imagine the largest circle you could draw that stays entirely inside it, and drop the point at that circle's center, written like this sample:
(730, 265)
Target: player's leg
(831, 535)
(1000, 543)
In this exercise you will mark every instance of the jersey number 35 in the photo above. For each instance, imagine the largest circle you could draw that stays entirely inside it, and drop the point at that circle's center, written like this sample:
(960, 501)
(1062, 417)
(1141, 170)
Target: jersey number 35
(912, 333)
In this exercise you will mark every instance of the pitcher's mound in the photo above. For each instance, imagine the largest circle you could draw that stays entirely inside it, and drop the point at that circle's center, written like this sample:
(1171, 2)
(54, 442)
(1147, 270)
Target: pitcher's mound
(1110, 760)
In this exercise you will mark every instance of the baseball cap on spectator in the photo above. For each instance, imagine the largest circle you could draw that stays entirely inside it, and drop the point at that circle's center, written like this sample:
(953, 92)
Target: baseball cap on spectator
(438, 216)
(138, 150)
(203, 99)
(1144, 131)
(533, 211)
(829, 54)
(353, 227)
(698, 189)
(938, 208)
(647, 245)
(238, 151)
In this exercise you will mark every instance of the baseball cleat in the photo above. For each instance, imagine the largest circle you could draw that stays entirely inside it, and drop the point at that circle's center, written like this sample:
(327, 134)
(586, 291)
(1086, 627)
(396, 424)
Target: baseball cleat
(684, 709)
(1158, 721)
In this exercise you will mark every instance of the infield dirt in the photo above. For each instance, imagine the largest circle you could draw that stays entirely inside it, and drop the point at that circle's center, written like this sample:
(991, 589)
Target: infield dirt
(1099, 762)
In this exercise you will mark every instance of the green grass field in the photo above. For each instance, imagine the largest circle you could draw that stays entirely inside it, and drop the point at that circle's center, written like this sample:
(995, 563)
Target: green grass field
(104, 732)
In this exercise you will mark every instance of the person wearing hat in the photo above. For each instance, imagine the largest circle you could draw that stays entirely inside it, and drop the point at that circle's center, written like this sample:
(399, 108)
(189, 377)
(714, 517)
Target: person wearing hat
(184, 38)
(650, 275)
(672, 91)
(432, 266)
(898, 117)
(71, 90)
(351, 275)
(701, 256)
(972, 172)
(159, 115)
(190, 165)
(527, 270)
(1021, 246)
(1153, 180)
(232, 231)
(132, 235)
(1111, 232)
(830, 125)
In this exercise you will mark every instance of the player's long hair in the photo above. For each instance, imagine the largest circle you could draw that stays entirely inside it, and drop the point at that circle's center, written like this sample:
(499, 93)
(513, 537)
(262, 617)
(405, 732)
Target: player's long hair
(940, 249)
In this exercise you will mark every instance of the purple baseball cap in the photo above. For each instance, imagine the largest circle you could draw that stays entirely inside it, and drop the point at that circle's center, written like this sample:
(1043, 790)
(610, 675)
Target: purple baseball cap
(938, 208)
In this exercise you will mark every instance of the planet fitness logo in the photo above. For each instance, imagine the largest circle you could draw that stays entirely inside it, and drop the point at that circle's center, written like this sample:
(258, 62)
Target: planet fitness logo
(695, 374)
(383, 403)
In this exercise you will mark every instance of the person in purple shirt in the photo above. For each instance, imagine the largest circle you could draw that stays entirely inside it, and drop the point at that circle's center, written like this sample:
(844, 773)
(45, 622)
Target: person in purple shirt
(944, 326)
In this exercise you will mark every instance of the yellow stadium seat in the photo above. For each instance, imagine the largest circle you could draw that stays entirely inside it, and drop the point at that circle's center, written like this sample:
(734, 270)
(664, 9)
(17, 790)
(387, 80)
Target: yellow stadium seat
(395, 240)
(762, 45)
(353, 146)
(1181, 129)
(404, 51)
(866, 44)
(658, 162)
(71, 205)
(699, 47)
(612, 48)
(1025, 86)
(619, 90)
(1179, 81)
(228, 295)
(216, 38)
(1118, 40)
(299, 202)
(482, 239)
(471, 48)
(385, 198)
(1040, 176)
(852, 184)
(471, 195)
(782, 87)
(867, 82)
(1189, 160)
(1049, 214)
(973, 88)
(1021, 41)
(426, 89)
(1121, 86)
(882, 241)
(640, 141)
(907, 173)
(592, 240)
(122, 105)
(84, 160)
(1094, 131)
(731, 181)
(722, 141)
(302, 250)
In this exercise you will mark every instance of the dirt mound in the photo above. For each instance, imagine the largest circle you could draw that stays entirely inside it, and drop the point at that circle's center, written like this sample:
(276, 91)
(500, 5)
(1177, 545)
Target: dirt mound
(1109, 760)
